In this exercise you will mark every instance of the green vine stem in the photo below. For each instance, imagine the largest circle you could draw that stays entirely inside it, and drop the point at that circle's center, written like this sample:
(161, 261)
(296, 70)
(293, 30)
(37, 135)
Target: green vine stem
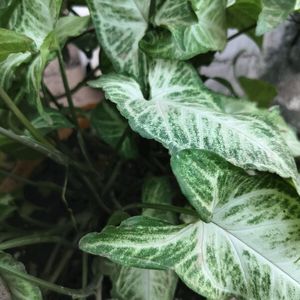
(28, 240)
(21, 117)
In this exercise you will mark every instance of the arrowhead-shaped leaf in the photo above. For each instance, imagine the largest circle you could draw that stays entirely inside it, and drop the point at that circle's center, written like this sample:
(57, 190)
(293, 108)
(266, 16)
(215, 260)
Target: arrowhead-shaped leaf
(19, 289)
(183, 114)
(208, 32)
(120, 25)
(250, 249)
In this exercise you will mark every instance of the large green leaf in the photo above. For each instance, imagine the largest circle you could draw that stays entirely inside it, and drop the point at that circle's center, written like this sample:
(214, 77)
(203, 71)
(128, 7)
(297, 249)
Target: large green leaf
(20, 289)
(120, 25)
(12, 42)
(6, 9)
(249, 250)
(181, 113)
(187, 40)
(111, 127)
(145, 284)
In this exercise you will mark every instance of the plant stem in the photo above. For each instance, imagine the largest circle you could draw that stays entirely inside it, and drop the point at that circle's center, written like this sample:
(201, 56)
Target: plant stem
(241, 32)
(72, 110)
(51, 153)
(21, 117)
(162, 207)
(84, 271)
(28, 240)
(47, 285)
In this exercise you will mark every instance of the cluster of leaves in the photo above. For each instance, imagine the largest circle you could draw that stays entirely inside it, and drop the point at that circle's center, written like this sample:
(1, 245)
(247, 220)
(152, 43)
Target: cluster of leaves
(230, 165)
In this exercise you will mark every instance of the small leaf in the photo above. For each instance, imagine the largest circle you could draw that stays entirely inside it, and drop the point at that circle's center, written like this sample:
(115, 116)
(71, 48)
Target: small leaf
(259, 91)
(20, 289)
(249, 249)
(181, 113)
(12, 42)
(110, 126)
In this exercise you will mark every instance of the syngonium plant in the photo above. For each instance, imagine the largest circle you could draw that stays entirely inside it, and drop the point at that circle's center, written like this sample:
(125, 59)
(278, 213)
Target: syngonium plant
(160, 136)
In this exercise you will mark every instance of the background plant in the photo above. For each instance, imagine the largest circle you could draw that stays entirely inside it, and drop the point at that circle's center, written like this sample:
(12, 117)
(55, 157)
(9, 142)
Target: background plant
(188, 188)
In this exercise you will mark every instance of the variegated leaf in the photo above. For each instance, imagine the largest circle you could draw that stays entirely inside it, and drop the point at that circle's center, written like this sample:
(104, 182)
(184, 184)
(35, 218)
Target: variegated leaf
(35, 19)
(187, 40)
(19, 289)
(111, 127)
(120, 25)
(144, 284)
(249, 250)
(181, 114)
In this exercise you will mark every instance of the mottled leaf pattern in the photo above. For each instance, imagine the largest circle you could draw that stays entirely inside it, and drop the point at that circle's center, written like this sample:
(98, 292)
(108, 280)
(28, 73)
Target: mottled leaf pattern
(20, 289)
(248, 250)
(120, 25)
(181, 114)
(145, 284)
(35, 19)
(111, 127)
(207, 33)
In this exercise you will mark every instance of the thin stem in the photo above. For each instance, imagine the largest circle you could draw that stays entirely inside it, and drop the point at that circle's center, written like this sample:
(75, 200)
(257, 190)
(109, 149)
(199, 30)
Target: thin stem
(47, 285)
(28, 240)
(72, 110)
(241, 32)
(42, 184)
(84, 271)
(51, 153)
(162, 207)
(21, 117)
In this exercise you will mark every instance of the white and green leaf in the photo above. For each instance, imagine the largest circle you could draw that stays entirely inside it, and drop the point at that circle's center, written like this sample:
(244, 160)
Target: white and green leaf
(18, 288)
(183, 114)
(249, 250)
(112, 128)
(207, 32)
(35, 19)
(120, 25)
